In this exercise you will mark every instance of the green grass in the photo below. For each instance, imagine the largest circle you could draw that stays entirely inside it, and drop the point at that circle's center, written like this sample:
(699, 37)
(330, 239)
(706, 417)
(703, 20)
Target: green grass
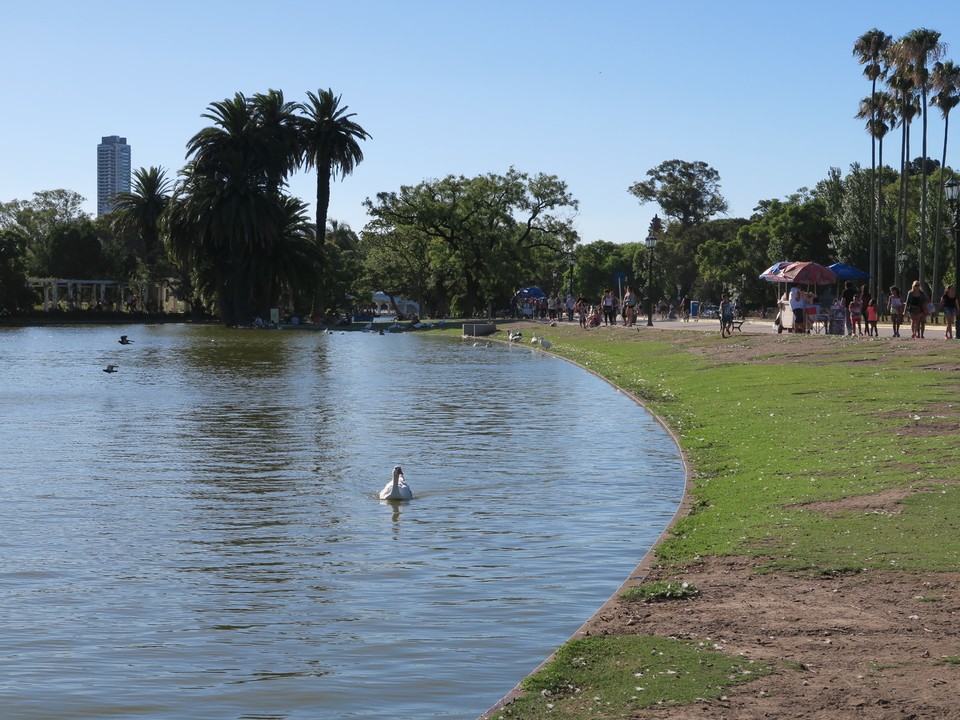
(767, 432)
(768, 436)
(610, 675)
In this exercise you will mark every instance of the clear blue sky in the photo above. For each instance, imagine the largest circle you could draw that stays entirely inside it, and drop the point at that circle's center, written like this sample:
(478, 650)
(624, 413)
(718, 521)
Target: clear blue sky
(596, 93)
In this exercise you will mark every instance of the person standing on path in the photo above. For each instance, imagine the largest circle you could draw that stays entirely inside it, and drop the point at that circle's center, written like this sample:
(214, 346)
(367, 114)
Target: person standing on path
(609, 317)
(797, 305)
(629, 307)
(848, 294)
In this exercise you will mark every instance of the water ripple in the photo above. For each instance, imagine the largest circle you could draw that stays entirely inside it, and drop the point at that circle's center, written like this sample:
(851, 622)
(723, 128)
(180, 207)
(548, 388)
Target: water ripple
(198, 535)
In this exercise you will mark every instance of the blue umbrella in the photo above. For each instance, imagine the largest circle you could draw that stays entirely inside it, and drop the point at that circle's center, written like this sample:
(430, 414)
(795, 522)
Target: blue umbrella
(847, 272)
(530, 292)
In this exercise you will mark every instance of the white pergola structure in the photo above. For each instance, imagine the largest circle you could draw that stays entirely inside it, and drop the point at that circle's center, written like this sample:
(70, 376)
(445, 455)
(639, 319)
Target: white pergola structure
(126, 296)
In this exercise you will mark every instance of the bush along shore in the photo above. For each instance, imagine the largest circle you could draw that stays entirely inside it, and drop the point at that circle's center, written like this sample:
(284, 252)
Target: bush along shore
(815, 571)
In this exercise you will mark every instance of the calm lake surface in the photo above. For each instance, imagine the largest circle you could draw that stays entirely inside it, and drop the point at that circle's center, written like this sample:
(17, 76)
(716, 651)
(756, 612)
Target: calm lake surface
(198, 535)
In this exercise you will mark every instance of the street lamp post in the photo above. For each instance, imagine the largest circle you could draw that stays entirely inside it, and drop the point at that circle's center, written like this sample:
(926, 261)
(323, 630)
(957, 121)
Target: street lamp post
(952, 190)
(901, 264)
(651, 243)
(571, 261)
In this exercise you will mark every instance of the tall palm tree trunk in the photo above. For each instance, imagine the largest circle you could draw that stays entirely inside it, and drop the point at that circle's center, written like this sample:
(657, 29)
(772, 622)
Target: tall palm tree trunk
(902, 202)
(937, 231)
(923, 185)
(879, 267)
(323, 207)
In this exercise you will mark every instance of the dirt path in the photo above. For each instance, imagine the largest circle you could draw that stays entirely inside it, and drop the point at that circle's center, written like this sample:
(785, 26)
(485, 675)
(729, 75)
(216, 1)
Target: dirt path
(858, 646)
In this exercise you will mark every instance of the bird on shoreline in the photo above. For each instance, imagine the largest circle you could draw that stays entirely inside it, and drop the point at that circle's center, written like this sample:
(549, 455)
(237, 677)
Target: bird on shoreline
(124, 341)
(397, 488)
(110, 368)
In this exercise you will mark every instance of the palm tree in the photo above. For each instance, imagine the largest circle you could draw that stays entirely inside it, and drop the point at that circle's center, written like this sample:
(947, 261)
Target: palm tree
(141, 209)
(902, 89)
(331, 144)
(341, 235)
(886, 107)
(878, 110)
(918, 48)
(946, 81)
(870, 49)
(276, 128)
(233, 215)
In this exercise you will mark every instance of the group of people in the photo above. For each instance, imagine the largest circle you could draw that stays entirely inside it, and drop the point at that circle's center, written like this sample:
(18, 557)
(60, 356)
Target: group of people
(918, 305)
(552, 307)
(606, 311)
(861, 311)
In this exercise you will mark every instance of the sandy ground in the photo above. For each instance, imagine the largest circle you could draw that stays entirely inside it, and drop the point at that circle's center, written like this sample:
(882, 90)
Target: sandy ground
(853, 646)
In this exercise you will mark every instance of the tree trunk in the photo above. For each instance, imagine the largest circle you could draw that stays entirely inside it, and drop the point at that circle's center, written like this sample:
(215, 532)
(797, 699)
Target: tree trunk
(323, 206)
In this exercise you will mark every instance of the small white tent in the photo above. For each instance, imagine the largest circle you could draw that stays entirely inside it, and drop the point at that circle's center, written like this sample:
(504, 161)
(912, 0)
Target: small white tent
(404, 306)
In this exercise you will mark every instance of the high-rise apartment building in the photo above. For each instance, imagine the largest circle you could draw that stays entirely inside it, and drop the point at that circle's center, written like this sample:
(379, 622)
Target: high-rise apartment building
(113, 171)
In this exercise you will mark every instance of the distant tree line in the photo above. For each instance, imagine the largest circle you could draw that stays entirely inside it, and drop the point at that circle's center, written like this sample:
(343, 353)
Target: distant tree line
(236, 243)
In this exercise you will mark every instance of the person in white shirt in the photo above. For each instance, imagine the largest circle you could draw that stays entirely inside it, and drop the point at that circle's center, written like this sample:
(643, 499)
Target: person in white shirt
(797, 304)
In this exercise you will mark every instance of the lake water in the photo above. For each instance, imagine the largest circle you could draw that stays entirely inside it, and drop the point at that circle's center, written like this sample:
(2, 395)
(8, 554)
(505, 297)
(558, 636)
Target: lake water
(198, 535)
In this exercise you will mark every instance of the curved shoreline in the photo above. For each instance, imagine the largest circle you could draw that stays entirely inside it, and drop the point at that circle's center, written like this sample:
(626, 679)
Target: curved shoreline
(642, 569)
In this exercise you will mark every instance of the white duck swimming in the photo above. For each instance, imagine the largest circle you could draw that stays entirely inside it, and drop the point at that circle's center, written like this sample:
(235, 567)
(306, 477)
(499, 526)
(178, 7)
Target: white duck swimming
(396, 489)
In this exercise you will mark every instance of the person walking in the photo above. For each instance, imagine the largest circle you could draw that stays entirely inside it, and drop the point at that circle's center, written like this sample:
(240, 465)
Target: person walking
(580, 307)
(916, 306)
(948, 304)
(871, 319)
(895, 307)
(856, 311)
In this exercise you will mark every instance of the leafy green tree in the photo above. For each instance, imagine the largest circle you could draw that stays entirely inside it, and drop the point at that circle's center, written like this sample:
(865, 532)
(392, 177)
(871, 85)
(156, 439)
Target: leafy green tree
(15, 296)
(35, 220)
(688, 192)
(484, 235)
(691, 263)
(847, 202)
(75, 251)
(795, 229)
(400, 262)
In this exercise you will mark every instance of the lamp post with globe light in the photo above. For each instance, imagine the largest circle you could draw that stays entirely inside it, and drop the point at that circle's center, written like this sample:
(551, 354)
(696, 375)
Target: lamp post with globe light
(952, 191)
(651, 243)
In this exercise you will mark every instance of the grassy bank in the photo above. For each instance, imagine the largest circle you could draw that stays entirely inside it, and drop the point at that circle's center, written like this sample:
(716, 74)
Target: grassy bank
(775, 429)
